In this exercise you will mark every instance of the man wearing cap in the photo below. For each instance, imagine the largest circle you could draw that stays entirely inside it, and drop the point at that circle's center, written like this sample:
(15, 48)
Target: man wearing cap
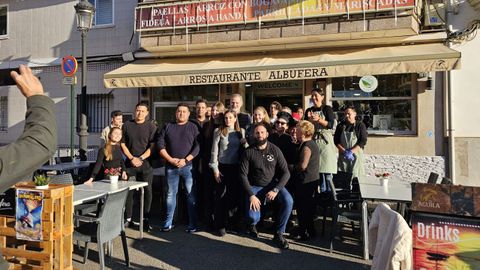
(281, 136)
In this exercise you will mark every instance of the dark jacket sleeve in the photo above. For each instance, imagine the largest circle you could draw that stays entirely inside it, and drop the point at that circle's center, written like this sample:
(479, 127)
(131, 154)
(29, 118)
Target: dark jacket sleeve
(281, 170)
(244, 168)
(329, 116)
(338, 133)
(36, 145)
(99, 163)
(161, 138)
(196, 145)
(361, 132)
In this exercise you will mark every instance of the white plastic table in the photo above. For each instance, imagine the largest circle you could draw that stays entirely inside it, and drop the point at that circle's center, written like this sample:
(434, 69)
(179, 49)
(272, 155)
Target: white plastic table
(371, 189)
(82, 196)
(106, 187)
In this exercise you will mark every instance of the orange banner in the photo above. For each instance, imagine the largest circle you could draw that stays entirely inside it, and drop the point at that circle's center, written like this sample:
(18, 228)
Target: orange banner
(206, 13)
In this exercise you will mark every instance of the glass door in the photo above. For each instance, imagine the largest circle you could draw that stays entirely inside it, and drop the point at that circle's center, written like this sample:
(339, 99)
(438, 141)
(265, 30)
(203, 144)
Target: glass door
(164, 112)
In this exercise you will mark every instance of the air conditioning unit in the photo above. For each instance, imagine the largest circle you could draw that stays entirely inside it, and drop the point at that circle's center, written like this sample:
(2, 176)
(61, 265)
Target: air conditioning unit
(434, 13)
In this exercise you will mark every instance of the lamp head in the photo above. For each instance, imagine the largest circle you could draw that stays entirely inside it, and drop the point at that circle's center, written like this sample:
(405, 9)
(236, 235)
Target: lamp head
(85, 12)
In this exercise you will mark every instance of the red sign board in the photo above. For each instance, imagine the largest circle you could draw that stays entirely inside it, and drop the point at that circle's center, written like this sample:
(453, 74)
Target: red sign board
(69, 65)
(205, 13)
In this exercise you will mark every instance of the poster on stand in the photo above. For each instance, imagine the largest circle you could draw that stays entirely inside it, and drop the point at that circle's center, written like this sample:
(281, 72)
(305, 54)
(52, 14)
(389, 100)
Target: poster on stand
(28, 217)
(442, 242)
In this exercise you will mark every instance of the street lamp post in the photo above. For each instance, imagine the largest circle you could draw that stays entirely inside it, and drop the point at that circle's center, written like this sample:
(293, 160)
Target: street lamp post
(84, 11)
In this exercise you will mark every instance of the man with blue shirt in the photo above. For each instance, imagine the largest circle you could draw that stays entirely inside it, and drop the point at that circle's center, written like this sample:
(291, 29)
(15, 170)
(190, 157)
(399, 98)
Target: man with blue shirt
(178, 144)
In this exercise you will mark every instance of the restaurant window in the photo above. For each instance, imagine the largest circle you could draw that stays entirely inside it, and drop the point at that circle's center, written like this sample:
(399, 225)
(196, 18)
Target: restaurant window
(165, 99)
(3, 21)
(389, 108)
(98, 112)
(186, 93)
(4, 114)
(103, 12)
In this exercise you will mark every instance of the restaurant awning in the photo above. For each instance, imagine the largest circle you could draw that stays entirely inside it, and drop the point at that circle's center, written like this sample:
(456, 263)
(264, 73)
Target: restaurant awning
(284, 66)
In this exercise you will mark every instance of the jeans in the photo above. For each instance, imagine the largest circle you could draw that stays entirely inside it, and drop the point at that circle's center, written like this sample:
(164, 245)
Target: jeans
(324, 177)
(173, 179)
(284, 201)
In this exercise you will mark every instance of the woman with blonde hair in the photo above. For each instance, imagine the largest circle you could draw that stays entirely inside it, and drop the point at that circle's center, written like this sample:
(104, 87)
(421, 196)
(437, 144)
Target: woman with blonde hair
(260, 114)
(110, 156)
(306, 179)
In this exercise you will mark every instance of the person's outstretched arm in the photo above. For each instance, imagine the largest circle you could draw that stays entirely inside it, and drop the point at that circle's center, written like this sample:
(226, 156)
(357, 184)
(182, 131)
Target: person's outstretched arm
(38, 141)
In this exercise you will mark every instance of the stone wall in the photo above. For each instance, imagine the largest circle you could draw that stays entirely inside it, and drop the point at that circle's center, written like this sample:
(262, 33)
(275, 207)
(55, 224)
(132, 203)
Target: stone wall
(407, 168)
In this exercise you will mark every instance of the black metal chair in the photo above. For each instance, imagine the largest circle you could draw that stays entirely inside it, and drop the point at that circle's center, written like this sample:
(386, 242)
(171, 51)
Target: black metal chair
(341, 204)
(104, 228)
(432, 179)
(446, 181)
(64, 179)
(63, 159)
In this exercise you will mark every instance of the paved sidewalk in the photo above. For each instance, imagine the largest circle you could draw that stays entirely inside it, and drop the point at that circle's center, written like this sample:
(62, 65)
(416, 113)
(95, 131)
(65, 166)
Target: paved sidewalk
(202, 250)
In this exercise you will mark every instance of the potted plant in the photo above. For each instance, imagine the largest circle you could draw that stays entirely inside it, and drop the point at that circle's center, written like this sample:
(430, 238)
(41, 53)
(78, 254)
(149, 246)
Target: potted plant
(113, 174)
(383, 178)
(41, 181)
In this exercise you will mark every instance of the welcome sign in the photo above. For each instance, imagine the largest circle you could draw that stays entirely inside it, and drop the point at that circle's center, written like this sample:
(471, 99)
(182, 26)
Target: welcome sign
(211, 13)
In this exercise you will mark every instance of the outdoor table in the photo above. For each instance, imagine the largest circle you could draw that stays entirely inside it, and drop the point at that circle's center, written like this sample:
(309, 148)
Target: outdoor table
(106, 187)
(371, 189)
(83, 196)
(66, 166)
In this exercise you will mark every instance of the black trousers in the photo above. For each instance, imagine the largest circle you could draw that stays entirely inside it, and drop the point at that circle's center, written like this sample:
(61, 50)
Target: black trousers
(205, 194)
(143, 173)
(306, 206)
(227, 195)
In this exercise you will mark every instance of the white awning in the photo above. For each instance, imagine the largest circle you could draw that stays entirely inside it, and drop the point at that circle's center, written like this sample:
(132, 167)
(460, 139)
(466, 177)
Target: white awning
(284, 66)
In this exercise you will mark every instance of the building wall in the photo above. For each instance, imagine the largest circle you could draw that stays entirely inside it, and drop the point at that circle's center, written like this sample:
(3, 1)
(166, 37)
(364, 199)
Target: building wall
(466, 88)
(46, 29)
(40, 33)
(405, 167)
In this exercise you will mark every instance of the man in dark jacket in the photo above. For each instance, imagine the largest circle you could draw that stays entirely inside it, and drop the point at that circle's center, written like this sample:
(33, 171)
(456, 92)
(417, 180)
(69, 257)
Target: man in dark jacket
(264, 173)
(178, 144)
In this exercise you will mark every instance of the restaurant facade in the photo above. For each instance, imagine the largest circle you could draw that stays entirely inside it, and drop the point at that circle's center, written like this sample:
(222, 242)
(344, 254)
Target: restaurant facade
(380, 56)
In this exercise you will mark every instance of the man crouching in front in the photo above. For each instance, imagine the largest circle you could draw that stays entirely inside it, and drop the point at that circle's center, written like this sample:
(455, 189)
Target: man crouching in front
(258, 168)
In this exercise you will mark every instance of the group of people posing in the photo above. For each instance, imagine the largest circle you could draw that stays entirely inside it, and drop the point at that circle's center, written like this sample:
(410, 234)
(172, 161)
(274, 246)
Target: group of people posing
(232, 164)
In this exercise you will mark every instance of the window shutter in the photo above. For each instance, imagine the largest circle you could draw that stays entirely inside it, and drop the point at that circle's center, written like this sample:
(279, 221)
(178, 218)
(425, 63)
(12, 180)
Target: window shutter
(103, 11)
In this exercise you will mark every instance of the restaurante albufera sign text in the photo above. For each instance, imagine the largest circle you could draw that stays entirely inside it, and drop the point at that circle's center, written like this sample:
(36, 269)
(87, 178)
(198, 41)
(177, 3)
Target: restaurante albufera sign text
(256, 76)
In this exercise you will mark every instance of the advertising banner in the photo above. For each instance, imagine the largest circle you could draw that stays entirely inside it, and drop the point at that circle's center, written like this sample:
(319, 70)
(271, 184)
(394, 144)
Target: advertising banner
(210, 13)
(445, 242)
(28, 225)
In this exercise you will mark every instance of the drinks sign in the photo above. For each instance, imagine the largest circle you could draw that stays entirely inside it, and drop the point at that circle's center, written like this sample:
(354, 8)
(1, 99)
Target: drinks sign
(205, 13)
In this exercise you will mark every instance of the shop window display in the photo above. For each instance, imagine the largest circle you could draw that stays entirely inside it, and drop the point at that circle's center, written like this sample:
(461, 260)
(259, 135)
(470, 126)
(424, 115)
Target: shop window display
(389, 107)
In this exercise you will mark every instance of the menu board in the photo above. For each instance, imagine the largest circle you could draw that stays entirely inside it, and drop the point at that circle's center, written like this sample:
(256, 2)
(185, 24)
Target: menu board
(445, 242)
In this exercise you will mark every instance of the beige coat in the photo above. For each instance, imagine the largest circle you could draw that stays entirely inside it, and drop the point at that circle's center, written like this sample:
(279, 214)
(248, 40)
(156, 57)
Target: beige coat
(390, 240)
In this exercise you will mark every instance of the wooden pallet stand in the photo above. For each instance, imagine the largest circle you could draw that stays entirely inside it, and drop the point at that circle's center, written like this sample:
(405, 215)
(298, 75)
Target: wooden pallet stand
(55, 250)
